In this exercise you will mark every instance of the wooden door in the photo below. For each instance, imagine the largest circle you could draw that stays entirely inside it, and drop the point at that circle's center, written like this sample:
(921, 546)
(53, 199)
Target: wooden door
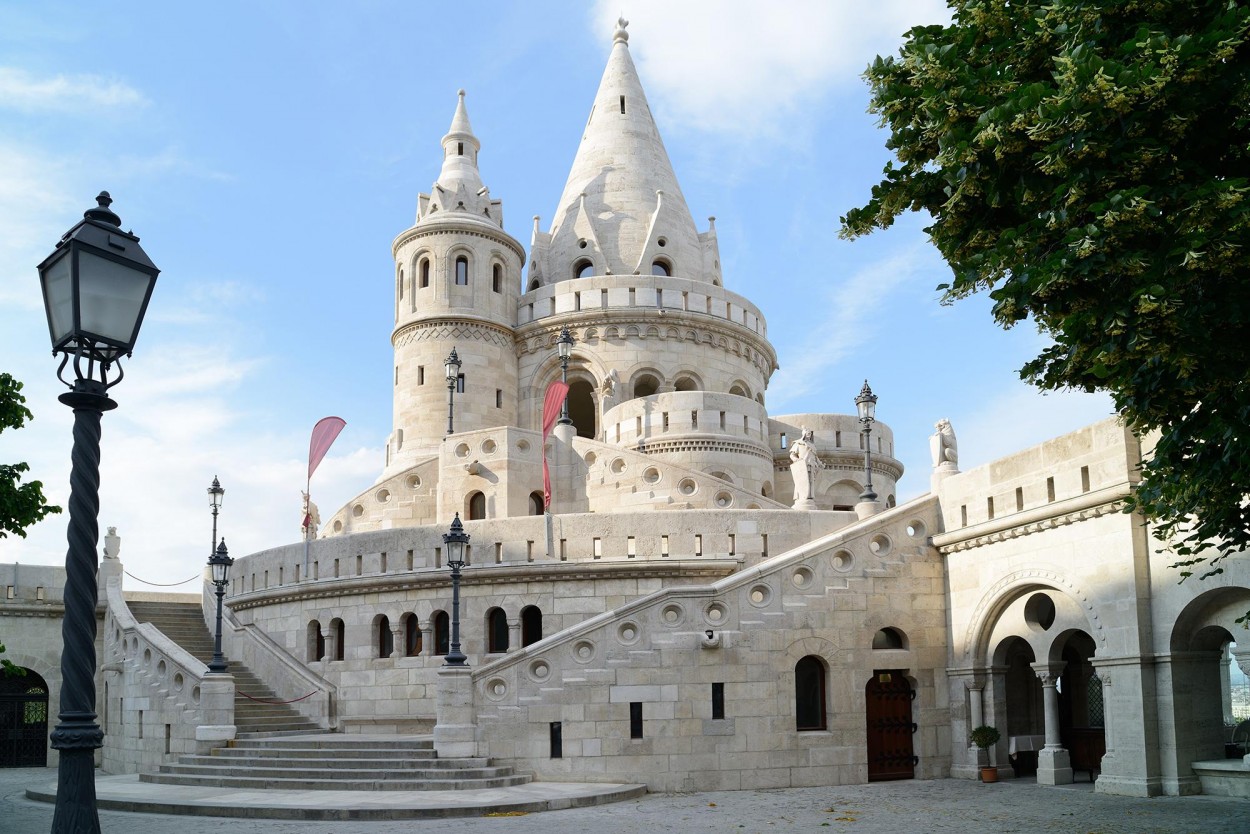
(888, 698)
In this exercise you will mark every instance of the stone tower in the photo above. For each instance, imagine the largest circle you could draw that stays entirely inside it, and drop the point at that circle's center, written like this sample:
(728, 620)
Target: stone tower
(457, 283)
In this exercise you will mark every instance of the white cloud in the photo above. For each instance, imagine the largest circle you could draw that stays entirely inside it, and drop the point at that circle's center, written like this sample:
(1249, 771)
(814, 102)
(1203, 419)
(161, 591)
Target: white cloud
(21, 90)
(740, 66)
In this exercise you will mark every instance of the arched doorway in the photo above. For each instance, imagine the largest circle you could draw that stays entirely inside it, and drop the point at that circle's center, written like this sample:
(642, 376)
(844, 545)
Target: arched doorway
(1021, 691)
(23, 720)
(809, 694)
(582, 408)
(1081, 725)
(887, 714)
(476, 506)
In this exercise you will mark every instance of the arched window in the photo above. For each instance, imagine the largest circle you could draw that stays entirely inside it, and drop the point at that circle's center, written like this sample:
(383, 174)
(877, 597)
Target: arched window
(740, 391)
(496, 278)
(531, 625)
(889, 638)
(412, 636)
(462, 271)
(336, 629)
(534, 284)
(583, 269)
(661, 267)
(442, 632)
(536, 503)
(809, 694)
(477, 506)
(316, 642)
(646, 385)
(424, 269)
(496, 631)
(401, 283)
(685, 383)
(385, 640)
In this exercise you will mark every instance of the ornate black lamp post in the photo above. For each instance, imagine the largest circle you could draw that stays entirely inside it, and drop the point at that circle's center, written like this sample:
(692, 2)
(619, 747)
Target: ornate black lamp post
(866, 403)
(220, 563)
(455, 539)
(565, 345)
(96, 286)
(451, 366)
(215, 494)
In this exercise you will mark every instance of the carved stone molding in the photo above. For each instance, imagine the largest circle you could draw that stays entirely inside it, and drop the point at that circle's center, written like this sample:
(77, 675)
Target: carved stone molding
(1034, 527)
(436, 330)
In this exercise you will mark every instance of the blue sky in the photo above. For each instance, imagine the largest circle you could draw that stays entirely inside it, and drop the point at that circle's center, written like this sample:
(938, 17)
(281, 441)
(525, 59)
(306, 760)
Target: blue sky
(268, 153)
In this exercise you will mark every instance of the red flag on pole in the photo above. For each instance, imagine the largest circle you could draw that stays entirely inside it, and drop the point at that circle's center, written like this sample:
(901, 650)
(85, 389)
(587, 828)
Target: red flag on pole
(552, 400)
(323, 435)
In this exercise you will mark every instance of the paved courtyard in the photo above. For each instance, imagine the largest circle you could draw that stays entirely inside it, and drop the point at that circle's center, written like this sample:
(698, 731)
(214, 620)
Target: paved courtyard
(941, 806)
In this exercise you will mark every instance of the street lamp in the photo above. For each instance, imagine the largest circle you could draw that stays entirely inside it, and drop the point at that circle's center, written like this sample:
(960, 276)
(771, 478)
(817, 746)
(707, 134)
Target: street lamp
(565, 345)
(215, 495)
(455, 540)
(866, 404)
(220, 563)
(451, 366)
(96, 286)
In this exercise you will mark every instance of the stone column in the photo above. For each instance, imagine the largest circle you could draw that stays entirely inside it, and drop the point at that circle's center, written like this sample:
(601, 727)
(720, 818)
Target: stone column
(332, 641)
(455, 727)
(398, 649)
(426, 630)
(216, 713)
(1054, 766)
(514, 635)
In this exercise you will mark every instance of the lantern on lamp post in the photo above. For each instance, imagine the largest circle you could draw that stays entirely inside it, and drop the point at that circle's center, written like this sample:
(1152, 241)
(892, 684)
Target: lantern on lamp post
(866, 404)
(219, 563)
(451, 367)
(96, 286)
(456, 540)
(565, 346)
(215, 495)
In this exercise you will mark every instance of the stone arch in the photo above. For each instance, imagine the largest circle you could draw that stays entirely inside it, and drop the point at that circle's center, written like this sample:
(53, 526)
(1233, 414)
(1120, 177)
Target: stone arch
(685, 380)
(475, 506)
(1007, 590)
(496, 630)
(382, 638)
(315, 641)
(531, 625)
(455, 253)
(440, 625)
(841, 495)
(411, 628)
(740, 389)
(644, 383)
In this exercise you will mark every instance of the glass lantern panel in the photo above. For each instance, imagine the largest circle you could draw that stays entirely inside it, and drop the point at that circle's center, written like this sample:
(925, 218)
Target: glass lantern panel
(59, 291)
(112, 296)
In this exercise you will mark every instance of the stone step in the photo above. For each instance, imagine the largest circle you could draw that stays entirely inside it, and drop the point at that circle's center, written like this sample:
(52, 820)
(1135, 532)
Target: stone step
(337, 742)
(389, 783)
(354, 769)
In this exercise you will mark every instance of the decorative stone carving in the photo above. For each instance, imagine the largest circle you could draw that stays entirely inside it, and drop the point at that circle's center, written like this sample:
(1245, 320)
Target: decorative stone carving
(312, 518)
(804, 467)
(943, 446)
(112, 544)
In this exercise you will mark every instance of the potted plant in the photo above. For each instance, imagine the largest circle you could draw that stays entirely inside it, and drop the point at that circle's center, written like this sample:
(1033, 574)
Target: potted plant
(985, 737)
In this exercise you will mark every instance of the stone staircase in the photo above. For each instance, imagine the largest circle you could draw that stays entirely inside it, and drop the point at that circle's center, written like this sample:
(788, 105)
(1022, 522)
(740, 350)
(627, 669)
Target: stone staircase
(335, 763)
(183, 622)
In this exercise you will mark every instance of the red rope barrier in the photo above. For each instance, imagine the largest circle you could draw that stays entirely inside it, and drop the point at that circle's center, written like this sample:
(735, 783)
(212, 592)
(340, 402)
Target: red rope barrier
(292, 701)
(160, 584)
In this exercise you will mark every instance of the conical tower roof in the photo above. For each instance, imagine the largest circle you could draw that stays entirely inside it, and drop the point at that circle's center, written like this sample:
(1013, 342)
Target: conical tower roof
(459, 185)
(622, 184)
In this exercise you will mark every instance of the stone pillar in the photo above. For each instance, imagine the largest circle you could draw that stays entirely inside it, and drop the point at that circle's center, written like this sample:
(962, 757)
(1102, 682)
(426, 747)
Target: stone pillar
(426, 630)
(866, 509)
(1054, 766)
(216, 713)
(1226, 685)
(455, 727)
(398, 649)
(967, 685)
(332, 642)
(514, 635)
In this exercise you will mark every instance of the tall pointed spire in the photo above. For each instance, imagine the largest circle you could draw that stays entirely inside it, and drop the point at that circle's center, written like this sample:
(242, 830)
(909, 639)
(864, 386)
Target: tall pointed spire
(622, 184)
(459, 185)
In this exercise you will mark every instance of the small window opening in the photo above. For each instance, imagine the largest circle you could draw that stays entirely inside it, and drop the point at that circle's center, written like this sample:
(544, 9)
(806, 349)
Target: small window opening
(496, 279)
(718, 700)
(462, 271)
(420, 375)
(1050, 489)
(1019, 499)
(1084, 479)
(622, 111)
(557, 740)
(635, 713)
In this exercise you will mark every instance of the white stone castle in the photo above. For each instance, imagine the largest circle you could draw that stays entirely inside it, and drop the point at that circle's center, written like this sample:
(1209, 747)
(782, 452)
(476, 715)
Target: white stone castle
(713, 598)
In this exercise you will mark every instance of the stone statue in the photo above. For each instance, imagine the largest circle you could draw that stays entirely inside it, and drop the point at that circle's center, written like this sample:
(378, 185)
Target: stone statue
(943, 447)
(112, 544)
(608, 389)
(312, 518)
(804, 466)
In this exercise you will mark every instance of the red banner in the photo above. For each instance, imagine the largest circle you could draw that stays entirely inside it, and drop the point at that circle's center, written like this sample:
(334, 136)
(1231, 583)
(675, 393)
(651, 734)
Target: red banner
(552, 400)
(323, 435)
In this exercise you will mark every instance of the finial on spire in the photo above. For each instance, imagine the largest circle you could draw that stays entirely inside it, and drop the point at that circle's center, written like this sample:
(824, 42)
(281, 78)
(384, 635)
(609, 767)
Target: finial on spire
(460, 92)
(620, 35)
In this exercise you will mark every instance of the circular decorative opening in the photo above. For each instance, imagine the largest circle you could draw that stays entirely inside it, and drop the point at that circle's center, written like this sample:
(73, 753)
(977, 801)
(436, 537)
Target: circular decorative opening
(628, 633)
(539, 670)
(671, 615)
(715, 613)
(842, 561)
(195, 694)
(590, 458)
(581, 244)
(358, 510)
(687, 486)
(383, 495)
(916, 529)
(760, 595)
(802, 577)
(1039, 612)
(880, 545)
(160, 669)
(724, 500)
(338, 526)
(147, 657)
(522, 445)
(462, 451)
(662, 241)
(583, 651)
(489, 447)
(178, 682)
(617, 466)
(496, 688)
(414, 481)
(652, 475)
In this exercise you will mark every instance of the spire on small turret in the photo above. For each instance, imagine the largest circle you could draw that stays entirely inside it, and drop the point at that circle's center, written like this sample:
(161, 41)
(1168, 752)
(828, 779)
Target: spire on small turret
(459, 185)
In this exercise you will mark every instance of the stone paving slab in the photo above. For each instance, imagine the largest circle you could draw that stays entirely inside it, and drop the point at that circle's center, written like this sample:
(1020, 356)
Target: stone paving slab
(946, 806)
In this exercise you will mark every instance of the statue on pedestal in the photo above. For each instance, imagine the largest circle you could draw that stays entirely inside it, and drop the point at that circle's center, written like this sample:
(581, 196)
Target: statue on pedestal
(804, 467)
(312, 518)
(943, 447)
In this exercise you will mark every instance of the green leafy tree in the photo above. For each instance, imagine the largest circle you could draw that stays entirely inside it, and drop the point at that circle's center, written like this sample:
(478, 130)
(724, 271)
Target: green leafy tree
(1087, 164)
(21, 505)
(7, 668)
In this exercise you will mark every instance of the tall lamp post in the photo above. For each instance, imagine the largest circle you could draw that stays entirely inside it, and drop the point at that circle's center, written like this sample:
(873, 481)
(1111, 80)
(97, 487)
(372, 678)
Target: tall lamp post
(455, 539)
(215, 494)
(219, 563)
(565, 346)
(96, 286)
(451, 366)
(866, 404)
